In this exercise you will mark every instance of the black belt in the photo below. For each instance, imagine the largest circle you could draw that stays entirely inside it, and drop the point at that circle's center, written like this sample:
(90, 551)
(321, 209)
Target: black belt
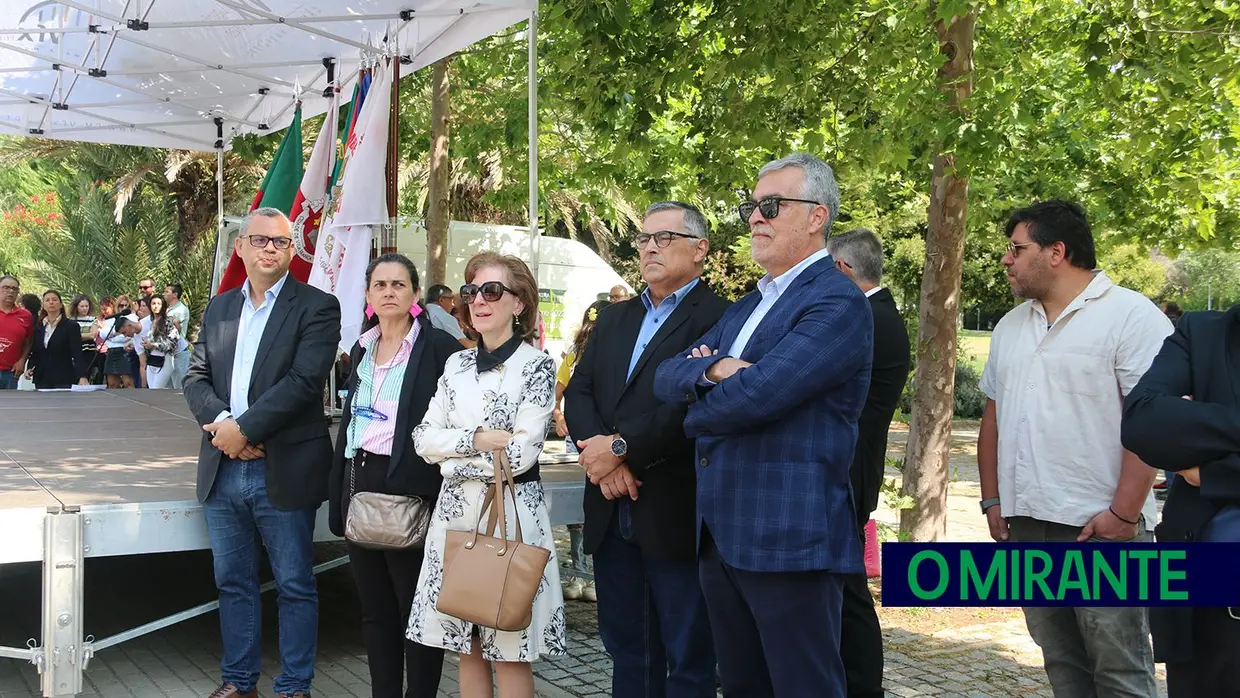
(364, 457)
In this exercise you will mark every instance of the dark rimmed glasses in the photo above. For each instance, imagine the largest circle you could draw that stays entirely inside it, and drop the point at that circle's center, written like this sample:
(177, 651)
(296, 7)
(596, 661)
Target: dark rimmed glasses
(260, 241)
(769, 206)
(491, 292)
(662, 239)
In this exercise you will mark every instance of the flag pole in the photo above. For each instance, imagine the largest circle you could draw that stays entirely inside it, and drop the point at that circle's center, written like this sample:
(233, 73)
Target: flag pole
(533, 136)
(216, 271)
(393, 150)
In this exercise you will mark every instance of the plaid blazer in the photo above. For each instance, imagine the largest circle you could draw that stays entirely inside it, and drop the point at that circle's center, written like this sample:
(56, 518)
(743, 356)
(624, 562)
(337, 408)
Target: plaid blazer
(775, 441)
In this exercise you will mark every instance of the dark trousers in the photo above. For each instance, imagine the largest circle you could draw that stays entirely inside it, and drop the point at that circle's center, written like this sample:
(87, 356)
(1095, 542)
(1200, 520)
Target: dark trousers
(777, 634)
(861, 646)
(652, 619)
(1214, 671)
(386, 582)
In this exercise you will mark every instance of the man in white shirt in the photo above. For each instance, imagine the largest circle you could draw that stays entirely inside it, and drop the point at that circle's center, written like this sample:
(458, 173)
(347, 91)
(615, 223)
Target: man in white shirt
(1051, 464)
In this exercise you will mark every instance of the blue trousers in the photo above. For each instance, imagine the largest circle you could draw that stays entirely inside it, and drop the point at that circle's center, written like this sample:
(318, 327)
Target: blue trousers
(240, 517)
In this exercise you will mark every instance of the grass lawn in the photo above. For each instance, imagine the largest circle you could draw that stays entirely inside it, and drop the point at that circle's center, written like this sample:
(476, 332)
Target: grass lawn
(977, 345)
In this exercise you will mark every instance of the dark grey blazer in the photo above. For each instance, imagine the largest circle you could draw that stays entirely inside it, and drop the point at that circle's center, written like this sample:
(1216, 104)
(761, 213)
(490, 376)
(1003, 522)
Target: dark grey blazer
(295, 354)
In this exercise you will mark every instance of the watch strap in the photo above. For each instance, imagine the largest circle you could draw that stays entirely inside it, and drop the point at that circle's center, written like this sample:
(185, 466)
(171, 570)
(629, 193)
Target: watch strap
(988, 503)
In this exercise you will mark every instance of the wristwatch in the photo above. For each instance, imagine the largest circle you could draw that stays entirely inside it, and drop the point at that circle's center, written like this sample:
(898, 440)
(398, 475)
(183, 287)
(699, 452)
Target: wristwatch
(988, 503)
(619, 446)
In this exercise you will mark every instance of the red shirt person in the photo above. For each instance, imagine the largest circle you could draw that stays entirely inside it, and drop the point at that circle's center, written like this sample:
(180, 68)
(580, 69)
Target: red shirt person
(16, 331)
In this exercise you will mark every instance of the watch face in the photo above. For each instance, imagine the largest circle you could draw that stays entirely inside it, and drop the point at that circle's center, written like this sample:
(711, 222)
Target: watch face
(619, 447)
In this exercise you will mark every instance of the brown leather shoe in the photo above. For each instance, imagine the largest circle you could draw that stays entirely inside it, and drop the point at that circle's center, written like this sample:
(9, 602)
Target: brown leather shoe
(227, 690)
(298, 694)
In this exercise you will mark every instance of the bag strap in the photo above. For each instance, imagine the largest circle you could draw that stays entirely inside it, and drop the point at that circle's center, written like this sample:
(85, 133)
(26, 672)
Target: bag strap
(495, 496)
(352, 477)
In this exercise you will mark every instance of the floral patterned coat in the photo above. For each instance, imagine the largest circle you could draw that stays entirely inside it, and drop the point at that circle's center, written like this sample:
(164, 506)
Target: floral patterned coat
(518, 396)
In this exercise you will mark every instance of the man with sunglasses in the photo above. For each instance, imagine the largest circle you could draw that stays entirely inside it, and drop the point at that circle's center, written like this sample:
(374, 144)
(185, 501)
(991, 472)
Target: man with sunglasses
(774, 393)
(16, 333)
(256, 386)
(639, 501)
(1050, 462)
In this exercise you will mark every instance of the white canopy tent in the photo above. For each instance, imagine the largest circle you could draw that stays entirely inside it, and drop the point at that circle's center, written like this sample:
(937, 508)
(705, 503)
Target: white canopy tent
(192, 74)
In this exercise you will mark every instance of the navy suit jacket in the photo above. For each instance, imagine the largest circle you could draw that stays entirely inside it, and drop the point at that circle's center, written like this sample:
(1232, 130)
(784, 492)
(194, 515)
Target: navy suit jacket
(775, 440)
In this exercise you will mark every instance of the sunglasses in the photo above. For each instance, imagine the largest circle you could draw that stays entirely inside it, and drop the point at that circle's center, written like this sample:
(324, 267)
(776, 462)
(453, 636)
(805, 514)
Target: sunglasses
(491, 292)
(769, 207)
(1014, 248)
(260, 241)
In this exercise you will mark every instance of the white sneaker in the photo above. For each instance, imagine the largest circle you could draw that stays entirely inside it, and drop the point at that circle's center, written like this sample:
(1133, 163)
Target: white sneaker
(573, 589)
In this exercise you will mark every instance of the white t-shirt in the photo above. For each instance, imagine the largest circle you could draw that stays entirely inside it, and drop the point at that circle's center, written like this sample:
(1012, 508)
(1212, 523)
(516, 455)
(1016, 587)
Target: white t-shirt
(1059, 395)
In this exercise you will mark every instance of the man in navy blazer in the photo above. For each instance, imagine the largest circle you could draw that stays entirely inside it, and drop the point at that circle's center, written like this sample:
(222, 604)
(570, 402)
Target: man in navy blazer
(774, 393)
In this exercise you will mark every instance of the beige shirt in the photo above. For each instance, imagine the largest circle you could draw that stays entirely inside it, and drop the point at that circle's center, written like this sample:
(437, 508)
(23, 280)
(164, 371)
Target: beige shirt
(1059, 393)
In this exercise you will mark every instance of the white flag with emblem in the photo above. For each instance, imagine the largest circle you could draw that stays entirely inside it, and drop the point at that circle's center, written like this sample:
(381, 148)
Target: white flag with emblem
(340, 261)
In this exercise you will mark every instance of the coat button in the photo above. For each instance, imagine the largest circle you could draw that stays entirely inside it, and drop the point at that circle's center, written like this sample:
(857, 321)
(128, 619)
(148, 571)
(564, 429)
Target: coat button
(702, 462)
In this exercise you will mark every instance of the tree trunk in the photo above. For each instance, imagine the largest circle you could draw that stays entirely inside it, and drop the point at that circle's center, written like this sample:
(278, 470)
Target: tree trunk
(929, 440)
(439, 190)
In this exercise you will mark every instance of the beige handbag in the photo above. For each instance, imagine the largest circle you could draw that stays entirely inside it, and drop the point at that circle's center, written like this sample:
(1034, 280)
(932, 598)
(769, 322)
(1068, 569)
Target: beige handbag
(378, 521)
(492, 581)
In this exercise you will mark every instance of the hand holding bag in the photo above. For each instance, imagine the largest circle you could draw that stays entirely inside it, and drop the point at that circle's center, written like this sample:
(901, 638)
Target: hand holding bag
(492, 581)
(378, 521)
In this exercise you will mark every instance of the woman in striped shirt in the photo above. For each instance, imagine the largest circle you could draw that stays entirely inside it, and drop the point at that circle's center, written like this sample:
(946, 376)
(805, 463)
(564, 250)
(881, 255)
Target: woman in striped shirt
(396, 366)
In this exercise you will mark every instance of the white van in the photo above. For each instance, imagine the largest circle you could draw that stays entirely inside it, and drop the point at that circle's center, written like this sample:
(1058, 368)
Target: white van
(570, 275)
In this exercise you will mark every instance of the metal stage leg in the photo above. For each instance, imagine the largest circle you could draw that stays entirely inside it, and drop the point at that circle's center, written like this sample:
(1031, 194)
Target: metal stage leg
(63, 567)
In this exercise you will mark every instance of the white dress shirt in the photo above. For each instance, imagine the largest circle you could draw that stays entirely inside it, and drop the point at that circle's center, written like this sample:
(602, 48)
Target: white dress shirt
(771, 289)
(249, 334)
(1059, 393)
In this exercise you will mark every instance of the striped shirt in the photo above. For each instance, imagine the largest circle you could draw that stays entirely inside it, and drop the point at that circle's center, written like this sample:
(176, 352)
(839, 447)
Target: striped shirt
(378, 387)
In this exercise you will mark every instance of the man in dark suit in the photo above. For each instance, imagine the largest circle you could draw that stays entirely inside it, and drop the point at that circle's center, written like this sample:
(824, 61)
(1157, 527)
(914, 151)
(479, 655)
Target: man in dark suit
(774, 394)
(859, 255)
(1184, 416)
(639, 503)
(255, 384)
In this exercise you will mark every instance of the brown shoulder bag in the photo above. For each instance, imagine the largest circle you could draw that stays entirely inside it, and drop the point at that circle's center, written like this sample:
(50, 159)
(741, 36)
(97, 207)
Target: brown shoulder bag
(492, 581)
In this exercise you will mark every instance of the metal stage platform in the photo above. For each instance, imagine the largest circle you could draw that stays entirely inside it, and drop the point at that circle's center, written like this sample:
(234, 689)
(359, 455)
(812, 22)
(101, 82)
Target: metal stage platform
(106, 473)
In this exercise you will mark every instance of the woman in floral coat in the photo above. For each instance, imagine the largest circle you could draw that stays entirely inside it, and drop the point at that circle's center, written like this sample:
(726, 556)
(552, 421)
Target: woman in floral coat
(499, 395)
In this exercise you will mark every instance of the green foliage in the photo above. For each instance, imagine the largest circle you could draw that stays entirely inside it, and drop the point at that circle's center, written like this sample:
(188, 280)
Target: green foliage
(896, 501)
(94, 254)
(1130, 266)
(970, 401)
(1206, 279)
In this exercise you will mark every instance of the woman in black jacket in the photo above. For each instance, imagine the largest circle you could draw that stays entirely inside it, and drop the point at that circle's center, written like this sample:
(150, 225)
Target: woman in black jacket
(396, 364)
(54, 355)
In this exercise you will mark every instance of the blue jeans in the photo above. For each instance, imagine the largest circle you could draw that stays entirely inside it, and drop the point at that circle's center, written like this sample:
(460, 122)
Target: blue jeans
(652, 619)
(8, 380)
(239, 517)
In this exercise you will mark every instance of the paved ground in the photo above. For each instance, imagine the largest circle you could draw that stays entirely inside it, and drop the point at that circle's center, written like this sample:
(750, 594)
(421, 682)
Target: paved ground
(929, 652)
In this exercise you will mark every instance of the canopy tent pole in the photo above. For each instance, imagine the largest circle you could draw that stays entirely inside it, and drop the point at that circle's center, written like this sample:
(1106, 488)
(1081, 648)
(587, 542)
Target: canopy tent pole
(533, 136)
(219, 203)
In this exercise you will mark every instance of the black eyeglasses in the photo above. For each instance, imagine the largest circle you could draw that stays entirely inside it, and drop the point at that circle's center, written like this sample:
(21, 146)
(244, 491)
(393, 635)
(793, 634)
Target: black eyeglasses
(769, 207)
(663, 238)
(260, 241)
(491, 292)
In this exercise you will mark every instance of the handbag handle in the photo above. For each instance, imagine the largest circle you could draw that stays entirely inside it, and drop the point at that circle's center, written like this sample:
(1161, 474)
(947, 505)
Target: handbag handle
(495, 502)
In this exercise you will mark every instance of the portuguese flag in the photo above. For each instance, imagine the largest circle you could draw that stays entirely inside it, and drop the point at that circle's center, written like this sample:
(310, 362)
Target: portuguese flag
(278, 190)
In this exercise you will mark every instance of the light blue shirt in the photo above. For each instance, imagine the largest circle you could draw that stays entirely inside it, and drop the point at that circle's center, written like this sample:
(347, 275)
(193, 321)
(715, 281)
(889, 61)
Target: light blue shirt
(771, 289)
(249, 334)
(655, 317)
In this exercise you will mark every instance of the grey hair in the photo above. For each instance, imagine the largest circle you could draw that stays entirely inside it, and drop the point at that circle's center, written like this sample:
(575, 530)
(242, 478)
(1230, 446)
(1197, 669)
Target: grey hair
(265, 212)
(695, 222)
(819, 184)
(863, 252)
(10, 276)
